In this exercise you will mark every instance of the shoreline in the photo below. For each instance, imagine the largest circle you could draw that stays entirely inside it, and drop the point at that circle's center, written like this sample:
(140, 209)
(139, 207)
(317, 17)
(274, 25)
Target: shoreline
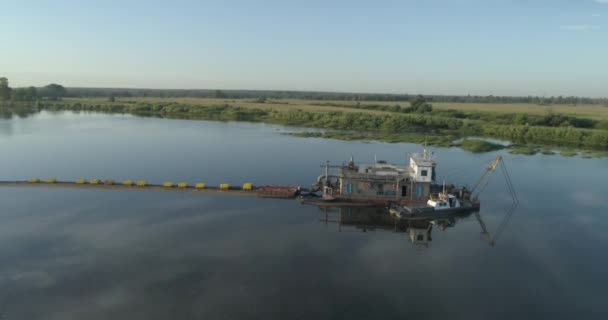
(360, 125)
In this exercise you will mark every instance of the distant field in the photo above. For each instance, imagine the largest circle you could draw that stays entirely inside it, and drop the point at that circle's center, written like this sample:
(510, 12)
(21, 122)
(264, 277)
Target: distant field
(275, 104)
(584, 111)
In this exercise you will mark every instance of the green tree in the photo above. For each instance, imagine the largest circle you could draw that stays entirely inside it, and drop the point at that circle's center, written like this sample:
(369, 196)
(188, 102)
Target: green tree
(32, 93)
(219, 94)
(53, 91)
(18, 94)
(420, 105)
(25, 94)
(5, 90)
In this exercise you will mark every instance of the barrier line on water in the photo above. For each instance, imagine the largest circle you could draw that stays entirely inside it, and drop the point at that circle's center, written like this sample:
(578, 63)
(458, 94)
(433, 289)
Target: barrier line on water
(245, 189)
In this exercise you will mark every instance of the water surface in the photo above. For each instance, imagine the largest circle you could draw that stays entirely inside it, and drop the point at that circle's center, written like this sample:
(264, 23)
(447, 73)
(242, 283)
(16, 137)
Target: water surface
(97, 254)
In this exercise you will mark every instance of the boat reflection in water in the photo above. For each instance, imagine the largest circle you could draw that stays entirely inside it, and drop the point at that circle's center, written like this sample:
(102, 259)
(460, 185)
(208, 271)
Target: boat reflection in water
(419, 229)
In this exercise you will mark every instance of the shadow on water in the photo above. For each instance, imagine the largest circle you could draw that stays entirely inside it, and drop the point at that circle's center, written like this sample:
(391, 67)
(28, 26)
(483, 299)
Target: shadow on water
(419, 229)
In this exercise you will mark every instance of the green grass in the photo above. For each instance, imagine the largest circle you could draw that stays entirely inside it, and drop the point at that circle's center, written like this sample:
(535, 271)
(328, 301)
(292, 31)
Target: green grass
(478, 146)
(432, 140)
(568, 153)
(523, 150)
(548, 152)
(596, 112)
(271, 104)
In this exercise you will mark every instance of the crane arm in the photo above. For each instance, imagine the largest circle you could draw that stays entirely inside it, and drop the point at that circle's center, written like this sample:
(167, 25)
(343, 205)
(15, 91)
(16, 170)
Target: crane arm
(491, 168)
(485, 179)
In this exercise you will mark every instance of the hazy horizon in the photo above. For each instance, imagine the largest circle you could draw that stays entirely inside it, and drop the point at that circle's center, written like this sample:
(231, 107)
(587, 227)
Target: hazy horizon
(501, 48)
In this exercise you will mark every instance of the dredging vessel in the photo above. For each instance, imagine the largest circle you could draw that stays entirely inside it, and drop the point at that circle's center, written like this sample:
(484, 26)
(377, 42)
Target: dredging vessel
(407, 190)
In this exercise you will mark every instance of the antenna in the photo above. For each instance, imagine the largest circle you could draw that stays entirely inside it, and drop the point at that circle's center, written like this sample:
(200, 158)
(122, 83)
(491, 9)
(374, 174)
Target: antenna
(327, 173)
(425, 151)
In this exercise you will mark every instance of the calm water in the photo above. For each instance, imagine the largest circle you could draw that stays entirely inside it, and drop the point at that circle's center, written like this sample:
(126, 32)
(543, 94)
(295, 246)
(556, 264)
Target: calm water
(86, 254)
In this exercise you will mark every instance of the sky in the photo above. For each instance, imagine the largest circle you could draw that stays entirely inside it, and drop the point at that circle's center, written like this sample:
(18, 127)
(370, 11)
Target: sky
(477, 47)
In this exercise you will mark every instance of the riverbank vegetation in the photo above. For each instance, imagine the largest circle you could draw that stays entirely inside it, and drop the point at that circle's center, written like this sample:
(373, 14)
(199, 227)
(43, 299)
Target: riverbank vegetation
(478, 146)
(382, 125)
(417, 120)
(526, 150)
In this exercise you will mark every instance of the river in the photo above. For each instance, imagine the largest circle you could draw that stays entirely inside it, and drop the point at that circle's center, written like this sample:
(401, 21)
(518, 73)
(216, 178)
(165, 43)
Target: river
(110, 254)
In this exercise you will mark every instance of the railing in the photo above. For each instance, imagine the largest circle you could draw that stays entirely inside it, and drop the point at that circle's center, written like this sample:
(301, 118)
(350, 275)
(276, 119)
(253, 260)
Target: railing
(371, 176)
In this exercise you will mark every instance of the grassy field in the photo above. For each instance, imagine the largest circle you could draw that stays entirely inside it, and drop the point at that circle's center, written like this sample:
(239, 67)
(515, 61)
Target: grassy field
(582, 111)
(279, 105)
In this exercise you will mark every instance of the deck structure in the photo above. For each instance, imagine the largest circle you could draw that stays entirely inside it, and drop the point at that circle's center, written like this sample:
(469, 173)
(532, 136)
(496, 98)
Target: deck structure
(381, 182)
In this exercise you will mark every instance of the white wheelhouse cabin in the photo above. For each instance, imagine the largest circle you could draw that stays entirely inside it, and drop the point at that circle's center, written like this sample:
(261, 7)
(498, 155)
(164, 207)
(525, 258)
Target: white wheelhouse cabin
(444, 201)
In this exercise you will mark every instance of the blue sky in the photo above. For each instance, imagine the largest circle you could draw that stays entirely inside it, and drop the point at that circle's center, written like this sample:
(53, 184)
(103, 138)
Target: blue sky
(500, 47)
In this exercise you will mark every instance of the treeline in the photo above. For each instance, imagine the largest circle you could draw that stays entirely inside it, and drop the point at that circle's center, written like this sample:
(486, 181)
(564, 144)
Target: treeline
(394, 124)
(307, 95)
(52, 91)
(55, 91)
(417, 104)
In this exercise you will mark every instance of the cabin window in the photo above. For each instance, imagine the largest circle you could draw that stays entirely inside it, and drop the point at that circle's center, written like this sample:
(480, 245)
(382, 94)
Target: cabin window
(349, 188)
(420, 237)
(424, 173)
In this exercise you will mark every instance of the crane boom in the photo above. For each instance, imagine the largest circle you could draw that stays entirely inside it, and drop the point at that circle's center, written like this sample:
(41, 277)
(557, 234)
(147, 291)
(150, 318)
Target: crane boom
(485, 179)
(483, 182)
(495, 163)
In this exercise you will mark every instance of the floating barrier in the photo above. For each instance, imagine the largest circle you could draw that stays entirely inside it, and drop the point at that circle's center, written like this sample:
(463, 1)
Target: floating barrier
(225, 188)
